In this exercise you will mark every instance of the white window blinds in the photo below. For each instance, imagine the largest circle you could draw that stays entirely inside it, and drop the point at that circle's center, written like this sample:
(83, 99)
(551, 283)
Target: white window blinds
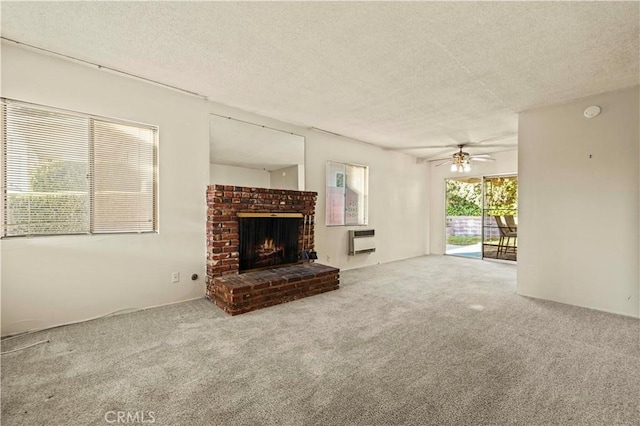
(124, 182)
(69, 173)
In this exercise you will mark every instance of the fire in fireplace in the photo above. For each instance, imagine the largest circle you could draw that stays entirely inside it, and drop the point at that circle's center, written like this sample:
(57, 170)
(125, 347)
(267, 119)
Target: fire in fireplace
(268, 240)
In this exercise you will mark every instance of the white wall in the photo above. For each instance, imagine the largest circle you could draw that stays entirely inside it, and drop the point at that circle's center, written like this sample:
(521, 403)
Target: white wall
(398, 191)
(578, 221)
(53, 280)
(505, 163)
(222, 174)
(285, 178)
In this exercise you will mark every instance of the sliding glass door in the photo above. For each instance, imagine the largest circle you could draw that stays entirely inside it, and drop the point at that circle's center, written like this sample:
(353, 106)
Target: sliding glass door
(482, 217)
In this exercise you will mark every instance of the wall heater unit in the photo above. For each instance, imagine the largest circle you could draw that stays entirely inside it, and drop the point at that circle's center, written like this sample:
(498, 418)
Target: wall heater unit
(362, 241)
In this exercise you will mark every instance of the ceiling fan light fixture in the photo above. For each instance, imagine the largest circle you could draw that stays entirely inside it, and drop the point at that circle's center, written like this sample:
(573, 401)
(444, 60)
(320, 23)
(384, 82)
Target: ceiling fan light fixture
(460, 167)
(460, 162)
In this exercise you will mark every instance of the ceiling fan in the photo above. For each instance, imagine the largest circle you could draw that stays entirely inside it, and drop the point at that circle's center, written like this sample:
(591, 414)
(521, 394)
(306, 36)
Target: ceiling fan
(506, 139)
(461, 161)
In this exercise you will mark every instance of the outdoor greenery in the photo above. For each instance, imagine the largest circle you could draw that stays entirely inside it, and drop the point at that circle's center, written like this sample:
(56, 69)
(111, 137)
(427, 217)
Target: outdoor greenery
(41, 214)
(463, 240)
(501, 196)
(57, 204)
(57, 176)
(463, 198)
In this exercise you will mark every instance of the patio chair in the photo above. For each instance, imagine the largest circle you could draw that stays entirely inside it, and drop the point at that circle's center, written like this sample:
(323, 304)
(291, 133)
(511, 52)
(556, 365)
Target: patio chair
(505, 234)
(511, 223)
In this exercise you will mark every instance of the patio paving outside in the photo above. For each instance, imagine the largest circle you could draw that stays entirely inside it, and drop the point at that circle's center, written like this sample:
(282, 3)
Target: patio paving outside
(475, 251)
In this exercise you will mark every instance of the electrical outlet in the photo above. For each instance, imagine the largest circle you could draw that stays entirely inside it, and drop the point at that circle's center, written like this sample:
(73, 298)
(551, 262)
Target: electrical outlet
(175, 277)
(328, 258)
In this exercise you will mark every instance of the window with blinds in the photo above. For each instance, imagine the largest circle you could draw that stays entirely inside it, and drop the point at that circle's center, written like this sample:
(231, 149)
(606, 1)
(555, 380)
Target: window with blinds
(70, 173)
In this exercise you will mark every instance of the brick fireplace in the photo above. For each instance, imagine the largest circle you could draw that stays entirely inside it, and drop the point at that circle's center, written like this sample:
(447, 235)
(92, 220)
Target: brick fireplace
(229, 208)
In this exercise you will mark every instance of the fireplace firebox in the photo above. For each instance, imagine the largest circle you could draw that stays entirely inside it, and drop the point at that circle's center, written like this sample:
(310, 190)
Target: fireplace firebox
(268, 240)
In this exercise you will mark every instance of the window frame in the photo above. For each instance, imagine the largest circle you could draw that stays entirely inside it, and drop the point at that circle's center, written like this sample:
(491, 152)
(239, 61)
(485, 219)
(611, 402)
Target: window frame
(90, 165)
(365, 195)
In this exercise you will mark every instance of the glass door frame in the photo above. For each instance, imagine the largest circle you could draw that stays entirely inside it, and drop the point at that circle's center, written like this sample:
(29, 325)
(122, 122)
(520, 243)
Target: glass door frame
(485, 209)
(482, 208)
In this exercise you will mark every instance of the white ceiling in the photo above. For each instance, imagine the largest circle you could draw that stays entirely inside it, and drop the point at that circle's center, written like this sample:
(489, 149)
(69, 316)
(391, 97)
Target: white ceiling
(394, 74)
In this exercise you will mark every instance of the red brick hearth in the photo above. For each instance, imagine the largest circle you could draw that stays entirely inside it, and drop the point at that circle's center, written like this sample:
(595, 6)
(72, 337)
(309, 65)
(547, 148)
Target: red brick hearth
(238, 293)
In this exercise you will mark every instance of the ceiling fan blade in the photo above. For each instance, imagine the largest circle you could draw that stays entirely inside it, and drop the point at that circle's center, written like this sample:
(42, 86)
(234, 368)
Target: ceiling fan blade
(493, 145)
(402, 148)
(443, 163)
(481, 159)
(480, 156)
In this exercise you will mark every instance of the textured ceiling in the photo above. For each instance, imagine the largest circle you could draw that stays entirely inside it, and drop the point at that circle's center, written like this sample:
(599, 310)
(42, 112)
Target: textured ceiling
(391, 73)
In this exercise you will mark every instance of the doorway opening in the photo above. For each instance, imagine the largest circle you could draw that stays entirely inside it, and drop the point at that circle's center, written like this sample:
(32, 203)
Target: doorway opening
(482, 217)
(464, 217)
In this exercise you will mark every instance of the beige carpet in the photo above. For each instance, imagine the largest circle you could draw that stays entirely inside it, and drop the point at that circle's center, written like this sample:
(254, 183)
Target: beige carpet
(427, 341)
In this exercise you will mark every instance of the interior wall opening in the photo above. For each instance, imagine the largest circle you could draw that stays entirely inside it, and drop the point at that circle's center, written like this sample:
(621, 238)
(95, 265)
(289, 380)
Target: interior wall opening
(463, 210)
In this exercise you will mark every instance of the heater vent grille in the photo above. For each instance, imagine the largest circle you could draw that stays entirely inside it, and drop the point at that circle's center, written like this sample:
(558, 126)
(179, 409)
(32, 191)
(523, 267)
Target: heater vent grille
(362, 241)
